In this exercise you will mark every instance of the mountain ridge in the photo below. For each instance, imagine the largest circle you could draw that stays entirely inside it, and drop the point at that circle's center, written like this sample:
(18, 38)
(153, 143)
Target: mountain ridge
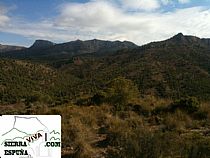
(181, 39)
(46, 50)
(7, 48)
(40, 44)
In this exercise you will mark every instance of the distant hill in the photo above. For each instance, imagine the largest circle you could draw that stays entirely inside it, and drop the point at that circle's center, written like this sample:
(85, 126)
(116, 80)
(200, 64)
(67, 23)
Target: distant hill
(7, 48)
(181, 39)
(43, 50)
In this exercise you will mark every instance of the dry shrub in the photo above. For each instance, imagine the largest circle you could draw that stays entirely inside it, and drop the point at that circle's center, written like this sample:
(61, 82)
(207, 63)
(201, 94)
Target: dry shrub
(178, 121)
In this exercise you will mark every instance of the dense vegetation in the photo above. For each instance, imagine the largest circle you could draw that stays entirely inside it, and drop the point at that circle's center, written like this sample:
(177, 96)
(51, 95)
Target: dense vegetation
(26, 82)
(146, 127)
(151, 101)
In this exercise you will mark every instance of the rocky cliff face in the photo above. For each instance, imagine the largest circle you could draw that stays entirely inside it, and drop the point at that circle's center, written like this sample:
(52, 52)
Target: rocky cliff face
(39, 44)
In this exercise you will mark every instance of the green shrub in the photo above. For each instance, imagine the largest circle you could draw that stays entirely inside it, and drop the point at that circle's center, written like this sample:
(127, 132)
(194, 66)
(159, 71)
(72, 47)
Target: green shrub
(120, 92)
(140, 110)
(189, 104)
(97, 99)
(201, 115)
(160, 110)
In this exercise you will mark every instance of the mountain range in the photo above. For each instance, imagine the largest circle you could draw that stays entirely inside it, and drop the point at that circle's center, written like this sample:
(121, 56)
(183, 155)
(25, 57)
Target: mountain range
(43, 50)
(176, 67)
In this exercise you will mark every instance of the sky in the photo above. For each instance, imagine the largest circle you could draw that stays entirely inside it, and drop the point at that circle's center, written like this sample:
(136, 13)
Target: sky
(140, 21)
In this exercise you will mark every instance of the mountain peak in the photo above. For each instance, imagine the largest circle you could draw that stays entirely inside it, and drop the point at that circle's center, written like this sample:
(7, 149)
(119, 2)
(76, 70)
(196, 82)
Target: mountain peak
(179, 37)
(179, 34)
(185, 39)
(42, 44)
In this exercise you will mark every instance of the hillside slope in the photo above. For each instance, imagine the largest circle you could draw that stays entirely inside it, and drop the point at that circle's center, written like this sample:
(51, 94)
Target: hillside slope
(22, 81)
(171, 68)
(177, 67)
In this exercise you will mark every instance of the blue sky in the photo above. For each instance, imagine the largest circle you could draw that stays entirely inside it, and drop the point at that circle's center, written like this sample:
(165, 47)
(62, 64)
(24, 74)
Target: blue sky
(140, 21)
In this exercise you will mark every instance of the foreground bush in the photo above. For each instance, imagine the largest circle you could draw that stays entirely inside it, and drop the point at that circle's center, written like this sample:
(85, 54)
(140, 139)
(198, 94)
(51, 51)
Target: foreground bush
(120, 92)
(189, 104)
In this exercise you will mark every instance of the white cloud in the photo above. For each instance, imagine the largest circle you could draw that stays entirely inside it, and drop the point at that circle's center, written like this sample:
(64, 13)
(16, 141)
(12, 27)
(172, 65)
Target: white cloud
(183, 1)
(95, 13)
(167, 2)
(104, 20)
(140, 4)
(3, 16)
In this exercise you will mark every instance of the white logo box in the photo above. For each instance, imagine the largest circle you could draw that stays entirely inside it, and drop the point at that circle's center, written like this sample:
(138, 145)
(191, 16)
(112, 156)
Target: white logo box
(30, 136)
